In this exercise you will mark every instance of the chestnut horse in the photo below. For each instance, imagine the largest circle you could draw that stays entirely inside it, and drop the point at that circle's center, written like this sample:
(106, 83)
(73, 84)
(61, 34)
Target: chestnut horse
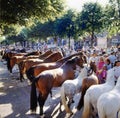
(37, 69)
(9, 55)
(26, 64)
(16, 59)
(52, 78)
(87, 82)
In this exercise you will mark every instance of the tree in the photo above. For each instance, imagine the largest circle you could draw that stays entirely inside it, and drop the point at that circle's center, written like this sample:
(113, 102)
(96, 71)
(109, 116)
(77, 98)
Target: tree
(65, 26)
(114, 17)
(19, 11)
(42, 30)
(91, 19)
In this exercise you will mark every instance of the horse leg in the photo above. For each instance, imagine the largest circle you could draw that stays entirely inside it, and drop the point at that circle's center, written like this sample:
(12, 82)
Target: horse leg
(70, 113)
(12, 63)
(21, 77)
(41, 101)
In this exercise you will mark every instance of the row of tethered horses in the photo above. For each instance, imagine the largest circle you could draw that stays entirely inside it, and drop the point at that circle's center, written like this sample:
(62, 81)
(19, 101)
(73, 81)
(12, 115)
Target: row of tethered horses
(51, 69)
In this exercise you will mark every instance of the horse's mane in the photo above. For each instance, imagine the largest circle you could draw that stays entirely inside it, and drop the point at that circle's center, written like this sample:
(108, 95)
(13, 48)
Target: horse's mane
(51, 56)
(71, 61)
(46, 53)
(32, 53)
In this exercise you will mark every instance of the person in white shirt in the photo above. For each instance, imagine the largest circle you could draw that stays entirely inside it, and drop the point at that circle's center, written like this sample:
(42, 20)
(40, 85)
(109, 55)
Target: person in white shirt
(112, 58)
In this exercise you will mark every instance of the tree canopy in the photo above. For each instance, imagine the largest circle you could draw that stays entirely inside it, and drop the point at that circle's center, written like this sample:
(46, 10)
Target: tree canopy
(18, 11)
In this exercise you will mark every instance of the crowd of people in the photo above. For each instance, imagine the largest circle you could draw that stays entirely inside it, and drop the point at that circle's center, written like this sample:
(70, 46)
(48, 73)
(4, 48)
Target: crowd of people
(104, 59)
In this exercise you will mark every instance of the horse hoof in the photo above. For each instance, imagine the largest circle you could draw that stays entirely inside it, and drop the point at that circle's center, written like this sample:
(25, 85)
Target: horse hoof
(42, 116)
(33, 111)
(68, 115)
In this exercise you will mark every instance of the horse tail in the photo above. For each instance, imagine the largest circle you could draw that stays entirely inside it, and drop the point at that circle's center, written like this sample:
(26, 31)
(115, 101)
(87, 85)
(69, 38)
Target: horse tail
(63, 99)
(30, 74)
(118, 114)
(87, 107)
(81, 102)
(33, 97)
(8, 63)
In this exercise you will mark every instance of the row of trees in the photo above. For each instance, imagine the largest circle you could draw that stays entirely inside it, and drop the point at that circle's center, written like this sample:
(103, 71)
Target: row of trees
(42, 24)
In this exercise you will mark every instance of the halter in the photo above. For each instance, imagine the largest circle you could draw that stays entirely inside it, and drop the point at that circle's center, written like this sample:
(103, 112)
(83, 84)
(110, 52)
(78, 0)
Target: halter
(115, 77)
(88, 70)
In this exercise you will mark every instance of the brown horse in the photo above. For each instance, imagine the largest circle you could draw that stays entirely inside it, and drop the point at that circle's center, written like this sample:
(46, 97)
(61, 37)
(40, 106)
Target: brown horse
(16, 59)
(87, 82)
(8, 55)
(26, 64)
(37, 69)
(46, 54)
(52, 78)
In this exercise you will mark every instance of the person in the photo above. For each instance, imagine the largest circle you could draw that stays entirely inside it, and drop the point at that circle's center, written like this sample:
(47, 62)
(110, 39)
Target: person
(101, 70)
(117, 66)
(112, 58)
(93, 58)
(108, 64)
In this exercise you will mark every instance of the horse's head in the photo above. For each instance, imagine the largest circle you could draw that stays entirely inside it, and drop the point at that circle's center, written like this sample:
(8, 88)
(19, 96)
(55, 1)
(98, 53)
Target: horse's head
(111, 75)
(86, 70)
(83, 72)
(93, 67)
(80, 61)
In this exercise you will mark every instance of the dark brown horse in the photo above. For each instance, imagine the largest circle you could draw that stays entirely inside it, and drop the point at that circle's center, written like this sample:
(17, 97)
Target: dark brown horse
(26, 64)
(87, 82)
(37, 69)
(52, 78)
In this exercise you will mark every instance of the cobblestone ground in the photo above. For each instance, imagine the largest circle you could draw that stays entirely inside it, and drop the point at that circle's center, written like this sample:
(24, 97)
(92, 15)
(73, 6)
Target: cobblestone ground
(15, 98)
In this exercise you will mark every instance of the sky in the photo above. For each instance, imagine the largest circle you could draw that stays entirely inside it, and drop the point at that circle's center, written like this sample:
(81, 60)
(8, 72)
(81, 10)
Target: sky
(77, 4)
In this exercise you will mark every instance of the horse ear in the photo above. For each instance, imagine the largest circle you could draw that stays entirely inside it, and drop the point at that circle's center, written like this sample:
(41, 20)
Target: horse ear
(84, 59)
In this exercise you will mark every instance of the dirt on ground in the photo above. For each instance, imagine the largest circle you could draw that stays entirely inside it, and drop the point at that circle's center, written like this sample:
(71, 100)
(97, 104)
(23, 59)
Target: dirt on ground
(15, 98)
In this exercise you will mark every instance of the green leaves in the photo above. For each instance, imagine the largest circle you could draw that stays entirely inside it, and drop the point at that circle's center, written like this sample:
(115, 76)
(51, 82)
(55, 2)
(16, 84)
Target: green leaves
(16, 11)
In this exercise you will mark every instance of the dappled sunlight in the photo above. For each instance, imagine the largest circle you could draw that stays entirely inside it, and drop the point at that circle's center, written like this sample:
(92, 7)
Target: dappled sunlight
(2, 93)
(10, 86)
(18, 115)
(1, 84)
(3, 109)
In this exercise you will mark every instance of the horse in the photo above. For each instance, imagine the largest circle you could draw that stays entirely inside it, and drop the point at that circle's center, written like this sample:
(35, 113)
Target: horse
(33, 53)
(93, 93)
(90, 80)
(37, 69)
(70, 87)
(17, 58)
(52, 78)
(8, 55)
(108, 104)
(26, 64)
(46, 54)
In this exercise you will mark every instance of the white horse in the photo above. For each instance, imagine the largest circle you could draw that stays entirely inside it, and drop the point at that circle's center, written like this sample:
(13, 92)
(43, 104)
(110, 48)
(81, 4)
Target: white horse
(94, 92)
(70, 87)
(109, 103)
